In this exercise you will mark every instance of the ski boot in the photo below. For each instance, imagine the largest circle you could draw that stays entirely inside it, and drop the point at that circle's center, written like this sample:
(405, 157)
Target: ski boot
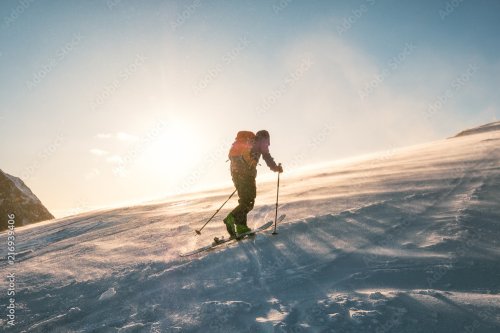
(241, 229)
(230, 226)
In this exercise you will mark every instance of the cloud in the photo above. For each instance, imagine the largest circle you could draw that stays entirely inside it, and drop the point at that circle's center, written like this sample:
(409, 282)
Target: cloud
(122, 136)
(104, 135)
(115, 159)
(98, 152)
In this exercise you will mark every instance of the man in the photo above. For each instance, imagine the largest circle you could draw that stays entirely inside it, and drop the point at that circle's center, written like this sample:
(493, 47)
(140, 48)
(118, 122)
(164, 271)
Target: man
(244, 156)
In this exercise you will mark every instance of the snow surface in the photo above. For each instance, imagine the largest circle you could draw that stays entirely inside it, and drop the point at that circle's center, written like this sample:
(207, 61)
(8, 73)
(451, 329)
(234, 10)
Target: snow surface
(402, 241)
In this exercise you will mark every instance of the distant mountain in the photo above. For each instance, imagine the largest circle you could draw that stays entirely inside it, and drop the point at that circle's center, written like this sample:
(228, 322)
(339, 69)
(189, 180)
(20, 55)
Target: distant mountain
(17, 198)
(481, 129)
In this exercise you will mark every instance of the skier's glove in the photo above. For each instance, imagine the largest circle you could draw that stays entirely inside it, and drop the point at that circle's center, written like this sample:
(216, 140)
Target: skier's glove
(278, 168)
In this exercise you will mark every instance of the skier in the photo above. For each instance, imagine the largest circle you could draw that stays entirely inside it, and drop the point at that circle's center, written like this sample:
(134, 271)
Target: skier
(244, 156)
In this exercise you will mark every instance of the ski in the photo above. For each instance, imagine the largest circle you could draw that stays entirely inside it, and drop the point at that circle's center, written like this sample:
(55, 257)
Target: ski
(220, 241)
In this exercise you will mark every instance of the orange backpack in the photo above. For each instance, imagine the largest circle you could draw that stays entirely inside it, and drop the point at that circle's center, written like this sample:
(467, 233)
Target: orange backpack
(242, 147)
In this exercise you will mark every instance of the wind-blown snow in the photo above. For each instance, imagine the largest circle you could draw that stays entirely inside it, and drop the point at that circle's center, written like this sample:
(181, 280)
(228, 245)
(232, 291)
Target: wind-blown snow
(406, 241)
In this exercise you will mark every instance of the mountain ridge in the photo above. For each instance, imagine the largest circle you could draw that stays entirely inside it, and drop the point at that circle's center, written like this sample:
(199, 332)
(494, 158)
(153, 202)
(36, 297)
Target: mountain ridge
(18, 199)
(489, 127)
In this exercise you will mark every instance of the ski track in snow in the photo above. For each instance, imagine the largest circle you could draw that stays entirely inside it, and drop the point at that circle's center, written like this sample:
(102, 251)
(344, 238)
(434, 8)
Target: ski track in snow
(400, 243)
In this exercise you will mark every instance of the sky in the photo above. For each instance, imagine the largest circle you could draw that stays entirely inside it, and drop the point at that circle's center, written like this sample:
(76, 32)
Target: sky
(108, 102)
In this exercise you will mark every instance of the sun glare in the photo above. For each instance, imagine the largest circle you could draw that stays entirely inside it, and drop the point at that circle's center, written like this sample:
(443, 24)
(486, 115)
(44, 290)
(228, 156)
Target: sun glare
(174, 151)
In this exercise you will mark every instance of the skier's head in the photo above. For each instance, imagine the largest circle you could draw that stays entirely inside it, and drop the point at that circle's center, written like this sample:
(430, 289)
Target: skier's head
(263, 136)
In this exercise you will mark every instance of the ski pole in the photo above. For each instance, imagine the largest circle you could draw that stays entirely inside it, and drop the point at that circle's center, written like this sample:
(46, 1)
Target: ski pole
(210, 219)
(277, 196)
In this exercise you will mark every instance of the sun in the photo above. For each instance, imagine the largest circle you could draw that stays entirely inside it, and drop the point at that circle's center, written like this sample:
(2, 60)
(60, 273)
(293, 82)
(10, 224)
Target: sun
(176, 150)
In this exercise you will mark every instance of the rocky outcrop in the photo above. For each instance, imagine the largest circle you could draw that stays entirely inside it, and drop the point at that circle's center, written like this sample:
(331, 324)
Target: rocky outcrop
(16, 198)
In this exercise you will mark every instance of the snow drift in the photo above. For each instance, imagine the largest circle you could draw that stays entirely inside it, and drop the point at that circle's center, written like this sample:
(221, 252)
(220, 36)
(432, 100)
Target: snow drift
(401, 241)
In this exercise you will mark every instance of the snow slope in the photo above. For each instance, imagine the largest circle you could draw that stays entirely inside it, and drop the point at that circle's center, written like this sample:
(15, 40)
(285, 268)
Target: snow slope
(402, 241)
